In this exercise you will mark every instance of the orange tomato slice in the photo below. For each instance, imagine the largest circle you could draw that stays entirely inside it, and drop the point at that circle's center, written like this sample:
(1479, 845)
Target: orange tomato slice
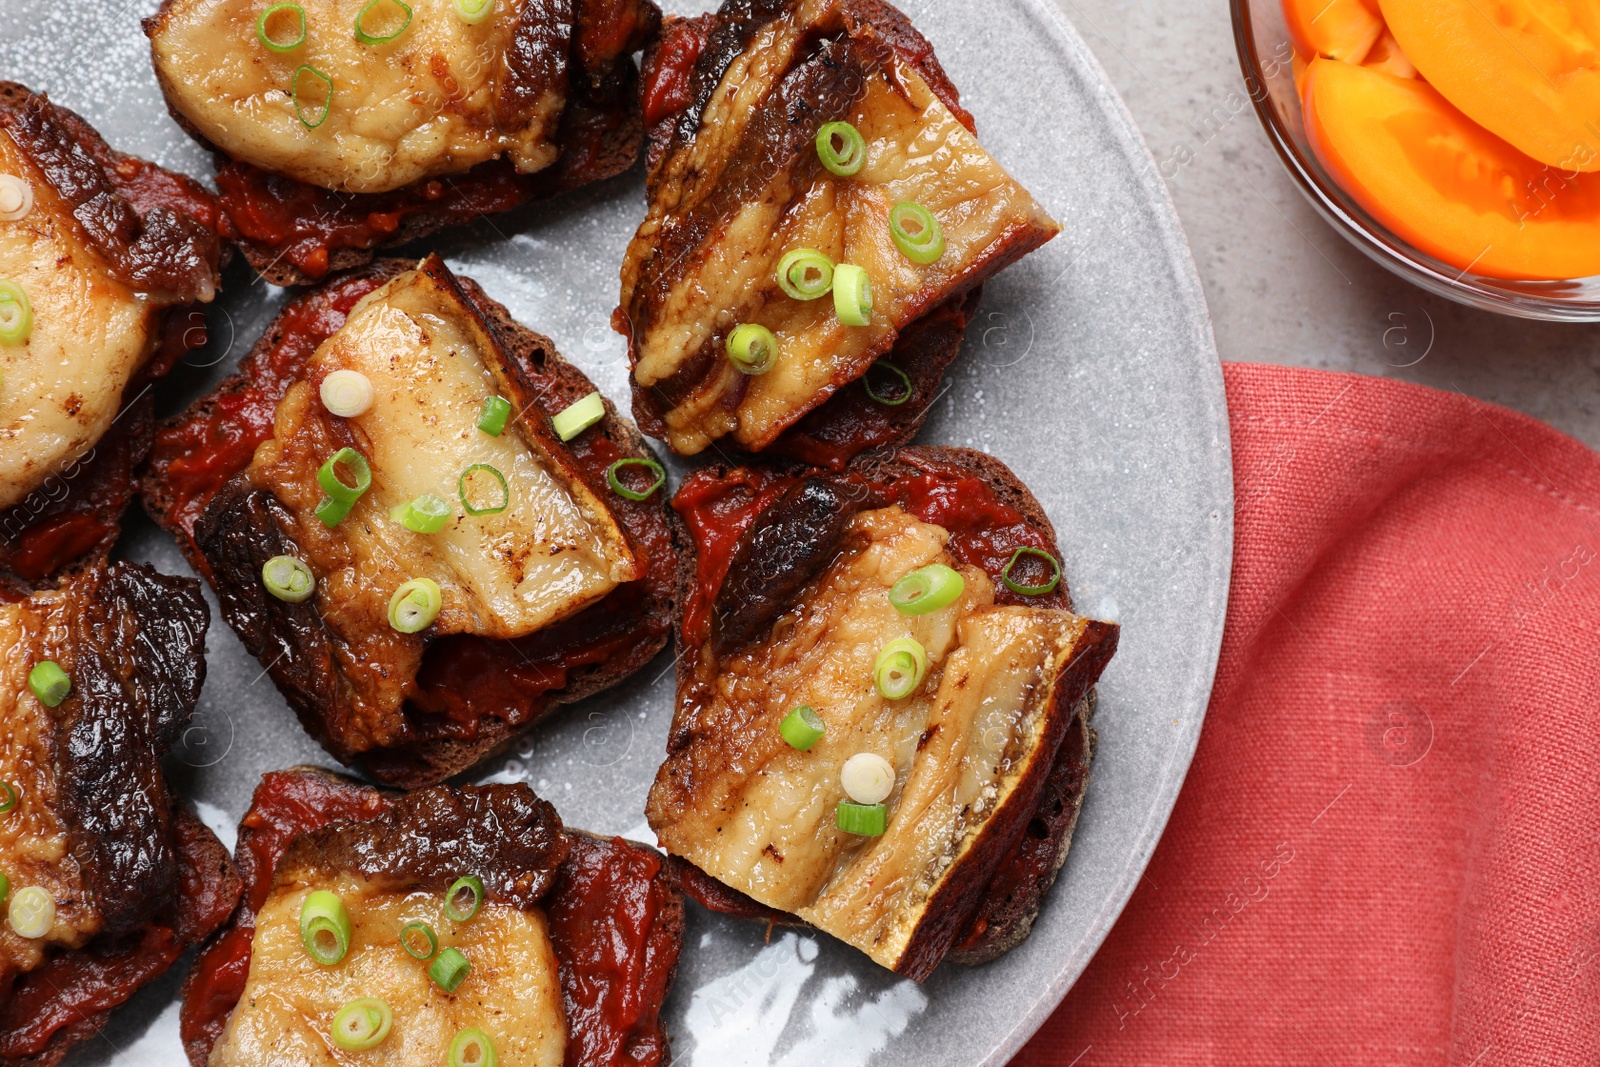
(1343, 29)
(1445, 184)
(1527, 70)
(1387, 57)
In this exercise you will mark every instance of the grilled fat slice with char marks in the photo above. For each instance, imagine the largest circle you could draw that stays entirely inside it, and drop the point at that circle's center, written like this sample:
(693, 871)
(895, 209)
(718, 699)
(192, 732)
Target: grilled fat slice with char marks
(973, 747)
(134, 877)
(739, 184)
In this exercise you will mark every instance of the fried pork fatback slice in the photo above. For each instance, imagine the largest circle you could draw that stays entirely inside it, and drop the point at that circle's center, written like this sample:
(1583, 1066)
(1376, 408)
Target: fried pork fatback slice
(99, 245)
(556, 587)
(133, 877)
(740, 184)
(570, 956)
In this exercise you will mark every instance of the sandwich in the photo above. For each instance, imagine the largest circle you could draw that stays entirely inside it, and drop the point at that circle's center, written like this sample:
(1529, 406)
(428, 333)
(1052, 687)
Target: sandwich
(450, 925)
(343, 126)
(427, 526)
(104, 261)
(105, 876)
(820, 218)
(883, 702)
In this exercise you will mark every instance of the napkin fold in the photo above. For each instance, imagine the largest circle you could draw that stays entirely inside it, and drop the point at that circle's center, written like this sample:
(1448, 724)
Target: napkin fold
(1387, 850)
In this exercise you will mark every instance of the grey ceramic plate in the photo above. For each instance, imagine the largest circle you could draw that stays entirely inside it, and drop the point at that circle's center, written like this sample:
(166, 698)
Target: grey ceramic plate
(1091, 371)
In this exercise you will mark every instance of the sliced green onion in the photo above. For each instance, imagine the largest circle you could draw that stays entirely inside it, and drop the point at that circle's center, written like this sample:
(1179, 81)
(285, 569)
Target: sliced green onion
(614, 478)
(324, 927)
(802, 728)
(472, 1047)
(927, 589)
(863, 820)
(16, 314)
(426, 514)
(852, 295)
(299, 107)
(867, 778)
(288, 579)
(578, 417)
(449, 969)
(752, 349)
(409, 943)
(474, 11)
(492, 419)
(347, 393)
(5, 887)
(266, 36)
(1032, 590)
(887, 401)
(362, 1024)
(464, 899)
(374, 38)
(841, 148)
(16, 198)
(32, 912)
(805, 273)
(49, 683)
(415, 605)
(9, 792)
(917, 234)
(336, 488)
(467, 497)
(900, 667)
(331, 512)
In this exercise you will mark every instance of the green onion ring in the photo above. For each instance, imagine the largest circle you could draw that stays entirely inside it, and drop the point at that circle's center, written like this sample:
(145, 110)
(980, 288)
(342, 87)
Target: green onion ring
(887, 401)
(927, 589)
(925, 244)
(415, 605)
(752, 349)
(466, 501)
(331, 512)
(492, 419)
(324, 927)
(294, 95)
(449, 969)
(805, 274)
(49, 683)
(16, 314)
(900, 667)
(863, 820)
(288, 579)
(852, 295)
(5, 888)
(614, 479)
(335, 487)
(266, 38)
(577, 417)
(473, 12)
(1032, 590)
(428, 935)
(8, 805)
(427, 514)
(847, 159)
(469, 883)
(32, 912)
(472, 1047)
(802, 728)
(361, 1024)
(372, 38)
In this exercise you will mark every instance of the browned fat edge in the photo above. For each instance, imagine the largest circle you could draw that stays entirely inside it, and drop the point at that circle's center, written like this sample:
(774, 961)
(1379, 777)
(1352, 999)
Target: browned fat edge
(961, 892)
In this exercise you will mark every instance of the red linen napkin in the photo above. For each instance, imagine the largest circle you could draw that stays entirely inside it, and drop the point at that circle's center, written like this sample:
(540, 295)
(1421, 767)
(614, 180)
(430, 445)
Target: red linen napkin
(1388, 847)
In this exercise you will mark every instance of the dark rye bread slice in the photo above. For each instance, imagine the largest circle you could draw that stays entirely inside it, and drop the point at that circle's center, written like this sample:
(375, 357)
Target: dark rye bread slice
(154, 228)
(157, 879)
(600, 136)
(992, 914)
(615, 917)
(235, 527)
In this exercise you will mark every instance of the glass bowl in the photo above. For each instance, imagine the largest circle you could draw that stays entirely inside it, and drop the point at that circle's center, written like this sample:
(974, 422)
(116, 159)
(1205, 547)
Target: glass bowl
(1266, 57)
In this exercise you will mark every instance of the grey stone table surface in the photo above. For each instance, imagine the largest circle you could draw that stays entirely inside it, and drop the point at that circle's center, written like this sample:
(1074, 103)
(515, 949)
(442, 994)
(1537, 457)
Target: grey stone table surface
(1282, 286)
